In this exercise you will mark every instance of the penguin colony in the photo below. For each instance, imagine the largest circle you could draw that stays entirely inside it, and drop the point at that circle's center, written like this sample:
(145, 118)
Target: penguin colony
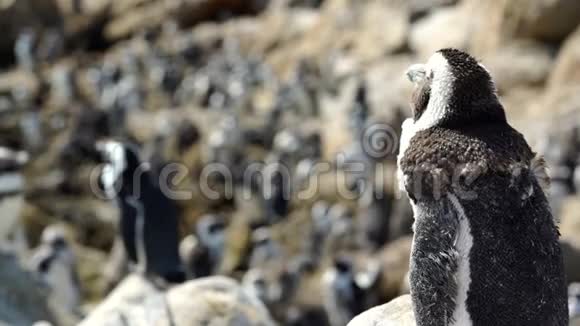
(339, 268)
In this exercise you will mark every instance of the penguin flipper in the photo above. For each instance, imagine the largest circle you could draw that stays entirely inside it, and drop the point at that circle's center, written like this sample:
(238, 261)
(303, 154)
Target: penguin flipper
(434, 261)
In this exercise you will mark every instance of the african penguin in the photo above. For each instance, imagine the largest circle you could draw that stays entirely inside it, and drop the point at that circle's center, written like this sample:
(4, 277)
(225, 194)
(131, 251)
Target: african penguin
(485, 248)
(346, 293)
(11, 200)
(264, 247)
(203, 252)
(149, 219)
(55, 262)
(574, 300)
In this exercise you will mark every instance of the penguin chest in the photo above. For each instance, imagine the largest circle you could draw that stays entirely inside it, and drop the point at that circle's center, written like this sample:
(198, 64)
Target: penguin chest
(63, 288)
(463, 245)
(408, 130)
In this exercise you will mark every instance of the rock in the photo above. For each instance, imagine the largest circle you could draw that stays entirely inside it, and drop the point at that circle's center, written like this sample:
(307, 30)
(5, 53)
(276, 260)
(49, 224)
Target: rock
(446, 27)
(341, 27)
(562, 93)
(89, 267)
(566, 72)
(81, 17)
(390, 101)
(371, 40)
(22, 299)
(518, 102)
(419, 8)
(398, 312)
(133, 20)
(543, 20)
(131, 293)
(570, 221)
(191, 12)
(215, 301)
(394, 259)
(205, 301)
(520, 63)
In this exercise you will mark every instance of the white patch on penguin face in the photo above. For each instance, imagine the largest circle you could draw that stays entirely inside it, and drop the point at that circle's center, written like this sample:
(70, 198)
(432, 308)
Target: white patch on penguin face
(438, 71)
(407, 132)
(463, 245)
(114, 154)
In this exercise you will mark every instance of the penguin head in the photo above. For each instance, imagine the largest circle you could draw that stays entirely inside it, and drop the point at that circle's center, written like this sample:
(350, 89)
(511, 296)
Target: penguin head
(54, 237)
(121, 163)
(262, 237)
(343, 266)
(211, 230)
(54, 240)
(453, 89)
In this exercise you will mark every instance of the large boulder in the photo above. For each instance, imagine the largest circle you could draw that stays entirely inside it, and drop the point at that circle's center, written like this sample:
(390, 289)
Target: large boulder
(520, 63)
(398, 312)
(445, 27)
(206, 301)
(503, 20)
(562, 95)
(131, 293)
(215, 301)
(566, 72)
(191, 12)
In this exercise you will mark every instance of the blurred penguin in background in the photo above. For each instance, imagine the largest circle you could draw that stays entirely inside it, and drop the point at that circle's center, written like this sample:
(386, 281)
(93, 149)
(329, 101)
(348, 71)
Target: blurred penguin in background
(55, 263)
(149, 219)
(11, 200)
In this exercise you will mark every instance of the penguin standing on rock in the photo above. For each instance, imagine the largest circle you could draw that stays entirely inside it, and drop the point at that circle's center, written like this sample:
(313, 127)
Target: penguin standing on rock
(55, 262)
(148, 223)
(485, 249)
(12, 236)
(347, 293)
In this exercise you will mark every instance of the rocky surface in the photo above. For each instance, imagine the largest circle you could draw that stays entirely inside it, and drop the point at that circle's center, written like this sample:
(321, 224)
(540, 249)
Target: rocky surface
(23, 300)
(397, 312)
(213, 301)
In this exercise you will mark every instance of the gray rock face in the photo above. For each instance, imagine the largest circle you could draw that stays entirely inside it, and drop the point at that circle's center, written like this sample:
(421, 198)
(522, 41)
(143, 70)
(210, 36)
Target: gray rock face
(398, 312)
(446, 27)
(563, 85)
(503, 20)
(206, 301)
(520, 64)
(215, 301)
(22, 301)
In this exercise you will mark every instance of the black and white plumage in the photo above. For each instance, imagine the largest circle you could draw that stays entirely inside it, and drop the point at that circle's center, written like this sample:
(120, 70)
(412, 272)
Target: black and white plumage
(574, 300)
(55, 262)
(12, 199)
(265, 249)
(347, 292)
(485, 249)
(149, 219)
(203, 252)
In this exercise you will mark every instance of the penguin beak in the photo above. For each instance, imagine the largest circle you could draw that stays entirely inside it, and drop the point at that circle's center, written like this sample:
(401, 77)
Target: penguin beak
(416, 73)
